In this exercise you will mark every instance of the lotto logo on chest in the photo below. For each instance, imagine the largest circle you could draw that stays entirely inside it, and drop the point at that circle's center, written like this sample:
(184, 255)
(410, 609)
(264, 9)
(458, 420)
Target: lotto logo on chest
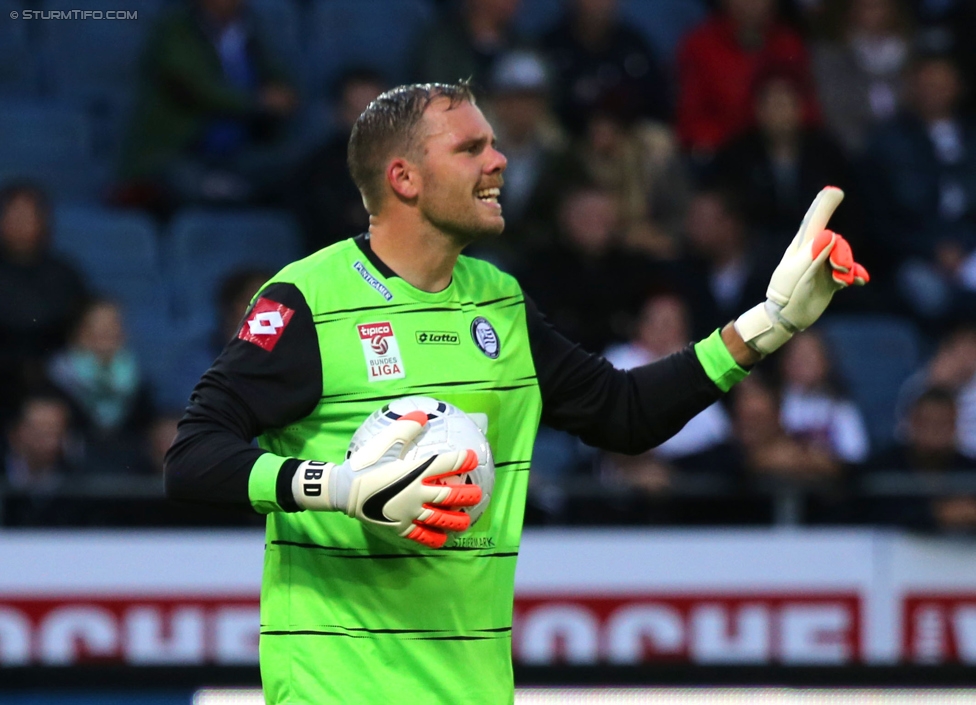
(382, 351)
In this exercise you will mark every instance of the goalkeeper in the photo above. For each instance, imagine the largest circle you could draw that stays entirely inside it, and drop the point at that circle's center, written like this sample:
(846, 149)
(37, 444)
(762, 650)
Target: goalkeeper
(347, 616)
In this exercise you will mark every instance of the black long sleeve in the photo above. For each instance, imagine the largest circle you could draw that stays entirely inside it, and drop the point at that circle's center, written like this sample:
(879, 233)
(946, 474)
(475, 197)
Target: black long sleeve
(623, 411)
(255, 385)
(248, 389)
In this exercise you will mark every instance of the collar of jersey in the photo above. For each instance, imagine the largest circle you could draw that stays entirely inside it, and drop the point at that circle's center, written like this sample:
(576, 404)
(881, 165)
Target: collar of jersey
(396, 282)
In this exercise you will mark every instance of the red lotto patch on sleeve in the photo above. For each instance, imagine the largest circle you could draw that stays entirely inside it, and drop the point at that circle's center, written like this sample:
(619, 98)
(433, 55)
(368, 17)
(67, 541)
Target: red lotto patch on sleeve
(266, 323)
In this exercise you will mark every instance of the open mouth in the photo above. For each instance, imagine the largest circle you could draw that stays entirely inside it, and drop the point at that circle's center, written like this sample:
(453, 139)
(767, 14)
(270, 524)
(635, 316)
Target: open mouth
(488, 195)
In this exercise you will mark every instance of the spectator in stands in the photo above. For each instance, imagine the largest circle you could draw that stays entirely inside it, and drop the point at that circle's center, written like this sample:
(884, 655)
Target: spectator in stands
(812, 408)
(952, 367)
(859, 68)
(233, 299)
(717, 65)
(42, 293)
(465, 42)
(588, 250)
(208, 126)
(663, 328)
(640, 163)
(766, 450)
(595, 54)
(37, 445)
(101, 378)
(920, 183)
(930, 454)
(327, 203)
(541, 167)
(778, 167)
(949, 26)
(723, 269)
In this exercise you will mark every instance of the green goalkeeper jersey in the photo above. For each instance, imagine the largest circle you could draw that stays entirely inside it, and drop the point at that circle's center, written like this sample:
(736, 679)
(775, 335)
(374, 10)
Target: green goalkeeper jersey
(350, 617)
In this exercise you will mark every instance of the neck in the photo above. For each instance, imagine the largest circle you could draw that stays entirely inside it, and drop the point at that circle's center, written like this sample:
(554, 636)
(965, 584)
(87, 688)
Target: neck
(421, 256)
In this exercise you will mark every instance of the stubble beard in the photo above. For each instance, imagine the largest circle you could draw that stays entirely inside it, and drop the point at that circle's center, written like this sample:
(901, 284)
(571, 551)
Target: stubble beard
(463, 229)
(464, 234)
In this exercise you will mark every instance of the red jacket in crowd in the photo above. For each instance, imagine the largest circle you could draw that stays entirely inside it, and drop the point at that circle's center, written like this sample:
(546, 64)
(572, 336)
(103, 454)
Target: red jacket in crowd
(716, 76)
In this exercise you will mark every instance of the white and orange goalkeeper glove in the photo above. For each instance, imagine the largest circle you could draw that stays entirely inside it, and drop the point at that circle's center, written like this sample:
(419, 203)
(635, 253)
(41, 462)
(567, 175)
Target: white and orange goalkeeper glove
(817, 264)
(378, 486)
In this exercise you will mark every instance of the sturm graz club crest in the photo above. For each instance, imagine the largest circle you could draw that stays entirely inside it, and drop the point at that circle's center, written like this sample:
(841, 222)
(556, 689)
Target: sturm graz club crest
(485, 337)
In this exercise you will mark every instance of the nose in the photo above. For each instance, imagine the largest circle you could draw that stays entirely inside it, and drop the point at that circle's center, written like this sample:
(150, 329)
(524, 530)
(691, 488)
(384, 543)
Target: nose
(496, 161)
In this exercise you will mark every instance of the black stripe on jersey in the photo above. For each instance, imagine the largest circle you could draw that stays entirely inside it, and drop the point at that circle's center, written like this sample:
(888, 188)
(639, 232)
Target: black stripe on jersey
(309, 632)
(441, 553)
(506, 388)
(399, 313)
(382, 307)
(507, 466)
(512, 462)
(454, 638)
(296, 544)
(450, 384)
(392, 631)
(416, 386)
(313, 632)
(494, 630)
(489, 302)
(388, 397)
(377, 307)
(516, 303)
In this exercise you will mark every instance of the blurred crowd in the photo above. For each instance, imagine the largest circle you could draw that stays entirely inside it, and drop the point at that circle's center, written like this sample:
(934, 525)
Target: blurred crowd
(660, 157)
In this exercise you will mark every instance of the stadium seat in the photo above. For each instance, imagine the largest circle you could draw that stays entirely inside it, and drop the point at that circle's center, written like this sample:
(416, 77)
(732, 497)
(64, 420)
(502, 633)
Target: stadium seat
(94, 64)
(280, 23)
(663, 22)
(536, 17)
(118, 254)
(51, 144)
(374, 33)
(18, 68)
(87, 58)
(874, 355)
(43, 132)
(208, 245)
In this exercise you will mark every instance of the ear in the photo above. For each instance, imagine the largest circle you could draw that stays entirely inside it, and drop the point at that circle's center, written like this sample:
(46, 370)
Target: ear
(403, 178)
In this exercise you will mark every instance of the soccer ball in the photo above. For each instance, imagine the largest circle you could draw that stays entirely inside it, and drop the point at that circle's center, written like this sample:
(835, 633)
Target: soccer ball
(448, 428)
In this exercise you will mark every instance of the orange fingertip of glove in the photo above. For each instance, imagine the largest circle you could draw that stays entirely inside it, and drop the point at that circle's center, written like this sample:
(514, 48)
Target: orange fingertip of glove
(427, 537)
(821, 241)
(418, 416)
(462, 496)
(846, 270)
(469, 464)
(446, 519)
(841, 257)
